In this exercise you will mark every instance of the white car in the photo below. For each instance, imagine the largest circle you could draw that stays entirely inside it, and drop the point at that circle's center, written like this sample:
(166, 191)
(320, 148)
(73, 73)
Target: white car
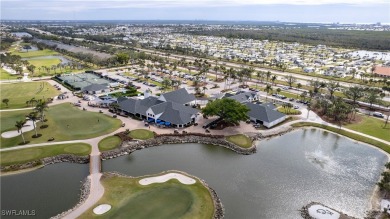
(296, 107)
(378, 114)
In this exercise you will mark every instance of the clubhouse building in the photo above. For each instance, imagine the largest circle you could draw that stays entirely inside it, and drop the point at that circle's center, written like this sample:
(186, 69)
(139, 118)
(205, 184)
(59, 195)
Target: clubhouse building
(170, 109)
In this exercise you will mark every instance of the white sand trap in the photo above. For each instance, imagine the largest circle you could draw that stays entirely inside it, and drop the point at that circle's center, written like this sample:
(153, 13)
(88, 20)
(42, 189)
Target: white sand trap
(385, 204)
(160, 179)
(27, 127)
(101, 209)
(322, 212)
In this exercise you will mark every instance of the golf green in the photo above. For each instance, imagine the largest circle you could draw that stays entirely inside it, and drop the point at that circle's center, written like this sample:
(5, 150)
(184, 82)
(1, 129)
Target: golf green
(171, 199)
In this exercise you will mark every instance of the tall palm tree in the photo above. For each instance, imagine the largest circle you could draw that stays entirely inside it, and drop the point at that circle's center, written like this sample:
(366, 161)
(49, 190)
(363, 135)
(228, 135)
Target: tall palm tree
(268, 75)
(41, 107)
(273, 78)
(19, 125)
(267, 89)
(34, 117)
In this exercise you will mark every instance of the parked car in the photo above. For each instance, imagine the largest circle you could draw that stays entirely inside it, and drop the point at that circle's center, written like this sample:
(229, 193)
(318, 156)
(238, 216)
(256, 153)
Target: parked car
(378, 114)
(296, 107)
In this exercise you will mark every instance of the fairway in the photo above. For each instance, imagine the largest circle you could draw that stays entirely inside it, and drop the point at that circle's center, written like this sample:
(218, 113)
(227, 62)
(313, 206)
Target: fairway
(4, 75)
(29, 54)
(167, 200)
(39, 63)
(36, 153)
(65, 122)
(372, 126)
(19, 93)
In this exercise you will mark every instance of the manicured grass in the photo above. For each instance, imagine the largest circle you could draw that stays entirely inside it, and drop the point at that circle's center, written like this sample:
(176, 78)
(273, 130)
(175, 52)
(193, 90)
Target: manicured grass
(381, 145)
(109, 143)
(142, 134)
(29, 54)
(371, 126)
(65, 122)
(289, 111)
(166, 200)
(19, 93)
(8, 119)
(240, 140)
(39, 63)
(36, 153)
(4, 75)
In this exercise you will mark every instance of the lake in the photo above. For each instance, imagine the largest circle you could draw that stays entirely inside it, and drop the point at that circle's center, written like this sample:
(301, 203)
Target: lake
(285, 174)
(49, 190)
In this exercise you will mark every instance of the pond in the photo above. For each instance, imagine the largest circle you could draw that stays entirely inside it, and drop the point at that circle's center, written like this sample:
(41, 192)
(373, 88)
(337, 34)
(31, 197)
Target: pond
(48, 191)
(285, 174)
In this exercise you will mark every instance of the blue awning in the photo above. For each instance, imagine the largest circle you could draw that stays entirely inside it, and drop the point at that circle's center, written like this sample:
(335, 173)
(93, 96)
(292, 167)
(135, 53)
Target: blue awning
(158, 121)
(162, 123)
(167, 123)
(150, 120)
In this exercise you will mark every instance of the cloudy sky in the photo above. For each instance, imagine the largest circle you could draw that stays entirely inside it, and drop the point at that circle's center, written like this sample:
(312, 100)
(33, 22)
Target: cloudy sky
(348, 11)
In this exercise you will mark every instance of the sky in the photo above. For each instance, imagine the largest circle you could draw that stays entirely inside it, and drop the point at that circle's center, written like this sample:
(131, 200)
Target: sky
(344, 11)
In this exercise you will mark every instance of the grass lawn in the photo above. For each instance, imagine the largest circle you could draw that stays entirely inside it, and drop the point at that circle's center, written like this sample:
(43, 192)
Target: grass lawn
(142, 134)
(65, 121)
(4, 75)
(381, 145)
(8, 119)
(19, 93)
(29, 54)
(371, 126)
(166, 200)
(240, 140)
(108, 143)
(38, 63)
(36, 153)
(290, 111)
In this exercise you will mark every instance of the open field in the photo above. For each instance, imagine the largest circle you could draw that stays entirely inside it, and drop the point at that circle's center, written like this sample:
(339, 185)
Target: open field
(19, 93)
(371, 126)
(142, 134)
(39, 63)
(36, 153)
(171, 199)
(240, 140)
(4, 75)
(29, 54)
(381, 145)
(65, 122)
(108, 143)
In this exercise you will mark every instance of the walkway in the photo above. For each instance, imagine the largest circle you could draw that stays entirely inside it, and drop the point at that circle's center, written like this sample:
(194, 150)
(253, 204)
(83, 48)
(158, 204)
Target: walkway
(96, 188)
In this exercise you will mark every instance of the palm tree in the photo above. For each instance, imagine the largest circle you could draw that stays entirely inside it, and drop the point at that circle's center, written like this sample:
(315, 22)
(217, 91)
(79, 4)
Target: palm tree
(41, 107)
(273, 79)
(268, 75)
(34, 117)
(19, 125)
(267, 89)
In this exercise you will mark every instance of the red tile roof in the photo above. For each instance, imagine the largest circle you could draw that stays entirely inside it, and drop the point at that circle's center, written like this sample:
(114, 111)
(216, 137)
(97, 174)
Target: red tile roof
(381, 70)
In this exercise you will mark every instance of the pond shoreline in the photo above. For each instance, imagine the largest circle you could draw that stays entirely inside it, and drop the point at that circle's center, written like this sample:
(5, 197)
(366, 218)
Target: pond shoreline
(128, 147)
(43, 162)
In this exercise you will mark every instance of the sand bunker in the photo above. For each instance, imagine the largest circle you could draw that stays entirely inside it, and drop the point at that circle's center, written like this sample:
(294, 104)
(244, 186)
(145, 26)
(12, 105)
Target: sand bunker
(160, 179)
(101, 209)
(27, 127)
(322, 212)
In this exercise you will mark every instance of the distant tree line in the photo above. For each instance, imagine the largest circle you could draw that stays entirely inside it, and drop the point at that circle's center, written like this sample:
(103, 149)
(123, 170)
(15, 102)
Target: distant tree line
(372, 40)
